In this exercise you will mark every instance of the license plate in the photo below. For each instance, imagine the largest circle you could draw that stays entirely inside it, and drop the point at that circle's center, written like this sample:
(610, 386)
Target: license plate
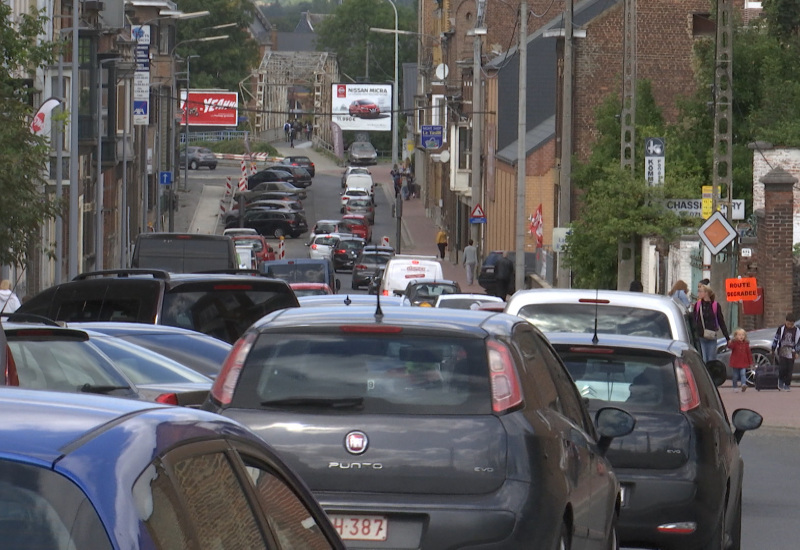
(357, 527)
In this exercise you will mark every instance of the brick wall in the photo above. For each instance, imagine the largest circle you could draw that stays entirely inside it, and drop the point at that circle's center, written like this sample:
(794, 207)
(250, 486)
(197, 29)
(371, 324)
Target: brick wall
(764, 161)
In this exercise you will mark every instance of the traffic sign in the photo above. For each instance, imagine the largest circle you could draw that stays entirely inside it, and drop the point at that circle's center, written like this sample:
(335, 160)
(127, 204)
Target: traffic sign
(165, 178)
(716, 233)
(743, 289)
(432, 137)
(477, 215)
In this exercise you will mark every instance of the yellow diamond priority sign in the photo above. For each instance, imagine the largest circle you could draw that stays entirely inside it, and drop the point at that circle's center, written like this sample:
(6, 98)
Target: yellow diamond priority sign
(716, 233)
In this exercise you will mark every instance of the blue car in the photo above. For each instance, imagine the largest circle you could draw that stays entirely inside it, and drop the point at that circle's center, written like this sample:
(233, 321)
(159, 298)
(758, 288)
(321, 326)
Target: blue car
(88, 471)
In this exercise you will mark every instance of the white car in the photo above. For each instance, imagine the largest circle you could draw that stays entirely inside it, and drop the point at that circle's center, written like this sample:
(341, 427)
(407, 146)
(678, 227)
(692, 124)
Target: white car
(363, 181)
(354, 192)
(353, 170)
(466, 301)
(323, 227)
(322, 246)
(234, 231)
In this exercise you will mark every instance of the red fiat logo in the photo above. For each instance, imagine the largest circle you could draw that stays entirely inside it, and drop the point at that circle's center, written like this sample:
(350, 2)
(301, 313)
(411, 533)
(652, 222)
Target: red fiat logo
(356, 442)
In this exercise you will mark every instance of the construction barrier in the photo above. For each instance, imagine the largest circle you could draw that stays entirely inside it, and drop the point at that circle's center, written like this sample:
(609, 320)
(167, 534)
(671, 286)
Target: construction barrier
(281, 249)
(243, 179)
(253, 168)
(385, 241)
(228, 186)
(222, 207)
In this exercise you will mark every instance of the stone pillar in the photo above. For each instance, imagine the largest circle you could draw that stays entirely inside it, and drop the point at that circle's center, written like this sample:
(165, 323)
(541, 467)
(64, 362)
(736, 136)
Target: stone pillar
(775, 245)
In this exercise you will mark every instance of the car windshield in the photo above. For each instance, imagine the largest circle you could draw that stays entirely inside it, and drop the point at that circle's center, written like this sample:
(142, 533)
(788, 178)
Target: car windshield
(631, 321)
(350, 244)
(370, 373)
(642, 381)
(298, 273)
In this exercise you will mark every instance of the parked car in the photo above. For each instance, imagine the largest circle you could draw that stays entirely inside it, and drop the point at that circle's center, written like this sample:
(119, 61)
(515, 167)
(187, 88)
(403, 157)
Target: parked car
(680, 470)
(300, 176)
(468, 301)
(361, 206)
(200, 352)
(761, 348)
(353, 170)
(310, 289)
(183, 252)
(371, 259)
(358, 225)
(303, 270)
(364, 108)
(250, 196)
(424, 292)
(219, 305)
(268, 175)
(44, 356)
(155, 377)
(263, 250)
(301, 161)
(435, 428)
(323, 245)
(283, 186)
(362, 152)
(294, 206)
(347, 251)
(198, 156)
(88, 471)
(274, 223)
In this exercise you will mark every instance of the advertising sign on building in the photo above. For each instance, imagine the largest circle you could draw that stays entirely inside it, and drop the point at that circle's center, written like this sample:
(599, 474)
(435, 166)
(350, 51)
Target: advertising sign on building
(141, 78)
(654, 160)
(211, 108)
(364, 107)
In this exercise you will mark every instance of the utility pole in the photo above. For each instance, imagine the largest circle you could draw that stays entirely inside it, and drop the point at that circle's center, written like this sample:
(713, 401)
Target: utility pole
(626, 261)
(477, 119)
(723, 139)
(519, 265)
(565, 175)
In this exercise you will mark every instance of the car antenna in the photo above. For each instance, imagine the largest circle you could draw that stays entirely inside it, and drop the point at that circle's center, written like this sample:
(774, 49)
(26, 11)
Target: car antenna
(378, 310)
(347, 300)
(595, 339)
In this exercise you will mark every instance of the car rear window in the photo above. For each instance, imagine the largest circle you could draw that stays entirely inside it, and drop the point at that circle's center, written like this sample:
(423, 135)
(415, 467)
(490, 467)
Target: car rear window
(184, 254)
(642, 381)
(366, 373)
(610, 319)
(298, 273)
(223, 309)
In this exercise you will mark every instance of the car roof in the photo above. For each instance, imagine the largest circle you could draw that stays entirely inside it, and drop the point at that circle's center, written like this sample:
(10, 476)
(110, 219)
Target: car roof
(290, 261)
(467, 296)
(576, 295)
(360, 300)
(430, 281)
(464, 322)
(118, 328)
(586, 339)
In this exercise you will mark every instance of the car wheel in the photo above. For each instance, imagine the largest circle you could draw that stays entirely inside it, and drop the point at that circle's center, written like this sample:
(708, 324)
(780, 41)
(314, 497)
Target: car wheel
(564, 540)
(760, 358)
(193, 165)
(212, 167)
(278, 232)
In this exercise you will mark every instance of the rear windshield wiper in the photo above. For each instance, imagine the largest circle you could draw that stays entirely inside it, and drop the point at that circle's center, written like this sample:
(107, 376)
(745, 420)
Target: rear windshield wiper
(340, 403)
(92, 388)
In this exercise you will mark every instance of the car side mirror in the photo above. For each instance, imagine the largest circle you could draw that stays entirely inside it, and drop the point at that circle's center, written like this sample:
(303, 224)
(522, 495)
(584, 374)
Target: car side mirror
(612, 422)
(745, 420)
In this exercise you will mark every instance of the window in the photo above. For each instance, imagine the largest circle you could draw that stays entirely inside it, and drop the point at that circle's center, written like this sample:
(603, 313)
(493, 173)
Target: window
(633, 321)
(464, 148)
(439, 113)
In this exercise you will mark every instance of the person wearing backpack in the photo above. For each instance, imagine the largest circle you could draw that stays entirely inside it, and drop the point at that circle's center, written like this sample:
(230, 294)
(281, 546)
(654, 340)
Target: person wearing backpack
(708, 319)
(784, 350)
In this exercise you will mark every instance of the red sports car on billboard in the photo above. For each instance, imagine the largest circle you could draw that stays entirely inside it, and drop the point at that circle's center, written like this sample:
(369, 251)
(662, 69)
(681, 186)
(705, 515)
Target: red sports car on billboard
(364, 108)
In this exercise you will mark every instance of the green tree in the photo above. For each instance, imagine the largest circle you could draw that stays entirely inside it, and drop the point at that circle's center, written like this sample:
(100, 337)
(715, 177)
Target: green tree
(222, 63)
(25, 205)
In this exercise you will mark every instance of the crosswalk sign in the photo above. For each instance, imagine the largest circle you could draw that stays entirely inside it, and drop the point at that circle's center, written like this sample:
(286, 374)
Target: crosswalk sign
(477, 215)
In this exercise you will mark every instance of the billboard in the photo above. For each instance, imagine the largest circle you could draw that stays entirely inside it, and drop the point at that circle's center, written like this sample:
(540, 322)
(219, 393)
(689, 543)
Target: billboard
(365, 107)
(209, 108)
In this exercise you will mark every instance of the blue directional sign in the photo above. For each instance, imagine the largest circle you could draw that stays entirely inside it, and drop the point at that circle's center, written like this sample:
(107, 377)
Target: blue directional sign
(165, 178)
(432, 137)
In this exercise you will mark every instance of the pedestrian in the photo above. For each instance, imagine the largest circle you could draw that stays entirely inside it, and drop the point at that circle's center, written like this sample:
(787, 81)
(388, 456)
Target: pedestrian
(309, 129)
(708, 319)
(636, 286)
(504, 276)
(286, 128)
(741, 358)
(291, 136)
(470, 261)
(702, 282)
(441, 240)
(680, 293)
(9, 302)
(784, 350)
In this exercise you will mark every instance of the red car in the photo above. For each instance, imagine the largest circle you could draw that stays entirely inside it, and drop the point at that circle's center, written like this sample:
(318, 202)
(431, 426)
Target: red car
(358, 225)
(263, 251)
(364, 108)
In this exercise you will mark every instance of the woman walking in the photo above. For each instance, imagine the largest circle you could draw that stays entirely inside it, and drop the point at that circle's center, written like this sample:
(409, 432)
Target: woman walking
(680, 293)
(708, 320)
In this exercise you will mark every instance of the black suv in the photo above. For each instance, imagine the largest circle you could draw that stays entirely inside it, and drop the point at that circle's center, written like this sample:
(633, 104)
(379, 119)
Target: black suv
(220, 305)
(428, 428)
(272, 223)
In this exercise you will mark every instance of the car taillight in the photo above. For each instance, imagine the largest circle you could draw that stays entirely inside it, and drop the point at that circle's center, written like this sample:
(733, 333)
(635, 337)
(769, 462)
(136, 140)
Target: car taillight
(687, 387)
(384, 293)
(225, 384)
(313, 247)
(360, 266)
(167, 399)
(340, 251)
(506, 392)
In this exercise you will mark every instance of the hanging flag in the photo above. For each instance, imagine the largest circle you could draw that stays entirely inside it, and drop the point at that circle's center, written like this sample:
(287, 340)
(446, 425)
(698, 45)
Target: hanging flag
(40, 125)
(537, 226)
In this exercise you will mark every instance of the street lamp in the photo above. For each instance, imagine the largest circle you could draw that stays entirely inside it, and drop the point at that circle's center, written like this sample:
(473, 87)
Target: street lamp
(396, 87)
(99, 191)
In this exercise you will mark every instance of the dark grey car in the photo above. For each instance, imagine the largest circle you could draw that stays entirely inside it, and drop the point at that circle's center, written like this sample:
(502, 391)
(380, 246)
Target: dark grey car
(362, 152)
(428, 429)
(199, 156)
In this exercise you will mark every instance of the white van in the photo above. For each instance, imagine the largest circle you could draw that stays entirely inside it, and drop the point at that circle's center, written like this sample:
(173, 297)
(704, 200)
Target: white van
(360, 181)
(402, 268)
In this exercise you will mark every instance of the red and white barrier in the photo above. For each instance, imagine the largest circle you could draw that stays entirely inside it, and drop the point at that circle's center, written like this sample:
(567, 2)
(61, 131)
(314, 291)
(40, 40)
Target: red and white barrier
(243, 179)
(253, 168)
(385, 241)
(222, 207)
(228, 186)
(281, 249)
